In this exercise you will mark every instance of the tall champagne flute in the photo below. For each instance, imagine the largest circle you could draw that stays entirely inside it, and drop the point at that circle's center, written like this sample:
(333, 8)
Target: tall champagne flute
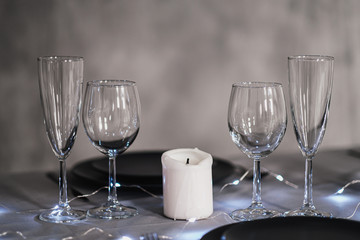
(60, 81)
(111, 120)
(257, 123)
(310, 79)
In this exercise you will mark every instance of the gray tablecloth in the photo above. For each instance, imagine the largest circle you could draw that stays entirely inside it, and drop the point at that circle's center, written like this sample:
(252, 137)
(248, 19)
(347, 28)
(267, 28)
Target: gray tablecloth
(24, 195)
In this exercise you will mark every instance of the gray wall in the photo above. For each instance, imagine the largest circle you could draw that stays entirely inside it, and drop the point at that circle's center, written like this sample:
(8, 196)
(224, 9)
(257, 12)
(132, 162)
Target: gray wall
(183, 54)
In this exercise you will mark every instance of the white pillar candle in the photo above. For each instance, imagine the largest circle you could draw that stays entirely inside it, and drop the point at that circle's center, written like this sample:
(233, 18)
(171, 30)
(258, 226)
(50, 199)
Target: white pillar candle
(187, 184)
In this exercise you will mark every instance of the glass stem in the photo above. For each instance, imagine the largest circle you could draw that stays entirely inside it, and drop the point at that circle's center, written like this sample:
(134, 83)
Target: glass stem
(112, 197)
(256, 198)
(308, 200)
(63, 198)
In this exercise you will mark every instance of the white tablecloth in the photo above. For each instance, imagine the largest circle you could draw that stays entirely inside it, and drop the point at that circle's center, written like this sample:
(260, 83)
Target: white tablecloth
(23, 195)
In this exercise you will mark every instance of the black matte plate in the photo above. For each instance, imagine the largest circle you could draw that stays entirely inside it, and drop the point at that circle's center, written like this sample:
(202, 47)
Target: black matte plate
(294, 228)
(216, 233)
(140, 168)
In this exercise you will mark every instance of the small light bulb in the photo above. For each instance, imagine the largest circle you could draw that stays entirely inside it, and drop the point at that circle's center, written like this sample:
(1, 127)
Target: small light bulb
(280, 178)
(192, 220)
(340, 191)
(125, 238)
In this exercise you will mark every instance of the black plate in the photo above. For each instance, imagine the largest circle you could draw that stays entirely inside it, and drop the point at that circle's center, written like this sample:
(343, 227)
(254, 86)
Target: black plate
(140, 168)
(294, 228)
(216, 233)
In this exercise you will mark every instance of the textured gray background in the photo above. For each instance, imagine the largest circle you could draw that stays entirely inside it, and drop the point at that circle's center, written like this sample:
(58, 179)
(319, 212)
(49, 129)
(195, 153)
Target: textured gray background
(184, 55)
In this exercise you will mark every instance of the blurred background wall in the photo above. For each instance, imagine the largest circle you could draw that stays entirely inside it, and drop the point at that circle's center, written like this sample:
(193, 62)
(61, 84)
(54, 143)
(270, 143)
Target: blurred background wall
(184, 56)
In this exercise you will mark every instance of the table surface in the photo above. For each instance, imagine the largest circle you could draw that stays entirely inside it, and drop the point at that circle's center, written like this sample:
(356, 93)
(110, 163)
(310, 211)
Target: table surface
(24, 195)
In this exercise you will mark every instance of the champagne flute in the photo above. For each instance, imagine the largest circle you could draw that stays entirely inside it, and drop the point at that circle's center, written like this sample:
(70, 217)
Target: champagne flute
(60, 81)
(310, 79)
(111, 120)
(257, 123)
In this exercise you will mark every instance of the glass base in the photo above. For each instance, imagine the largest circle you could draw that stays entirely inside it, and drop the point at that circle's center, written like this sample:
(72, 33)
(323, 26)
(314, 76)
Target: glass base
(251, 213)
(112, 211)
(62, 215)
(307, 212)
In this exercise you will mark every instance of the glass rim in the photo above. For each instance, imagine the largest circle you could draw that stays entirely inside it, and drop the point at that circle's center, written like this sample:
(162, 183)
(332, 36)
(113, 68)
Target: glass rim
(111, 83)
(56, 58)
(257, 84)
(311, 57)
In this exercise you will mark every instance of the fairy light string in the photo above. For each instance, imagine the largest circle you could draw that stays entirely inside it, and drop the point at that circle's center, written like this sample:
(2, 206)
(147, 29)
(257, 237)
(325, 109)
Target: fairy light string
(117, 185)
(97, 229)
(236, 181)
(9, 233)
(276, 176)
(94, 229)
(280, 178)
(341, 191)
(88, 195)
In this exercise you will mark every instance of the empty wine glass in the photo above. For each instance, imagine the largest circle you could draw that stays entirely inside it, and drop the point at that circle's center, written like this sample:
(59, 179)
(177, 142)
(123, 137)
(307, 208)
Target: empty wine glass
(60, 81)
(310, 79)
(257, 123)
(111, 120)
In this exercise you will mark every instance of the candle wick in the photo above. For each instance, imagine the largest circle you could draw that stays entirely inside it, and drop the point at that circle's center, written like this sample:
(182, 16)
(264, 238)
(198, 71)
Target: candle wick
(187, 161)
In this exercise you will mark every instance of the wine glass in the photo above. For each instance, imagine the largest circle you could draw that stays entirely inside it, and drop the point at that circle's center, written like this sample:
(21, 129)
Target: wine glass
(60, 81)
(310, 79)
(257, 123)
(111, 120)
